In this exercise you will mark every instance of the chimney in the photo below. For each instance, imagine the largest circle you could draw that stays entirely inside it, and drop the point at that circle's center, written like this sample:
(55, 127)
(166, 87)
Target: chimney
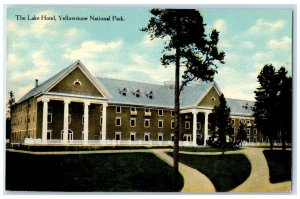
(36, 83)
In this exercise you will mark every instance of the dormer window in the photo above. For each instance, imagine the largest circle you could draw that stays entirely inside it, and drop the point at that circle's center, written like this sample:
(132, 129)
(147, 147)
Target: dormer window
(137, 93)
(150, 95)
(123, 91)
(77, 83)
(245, 106)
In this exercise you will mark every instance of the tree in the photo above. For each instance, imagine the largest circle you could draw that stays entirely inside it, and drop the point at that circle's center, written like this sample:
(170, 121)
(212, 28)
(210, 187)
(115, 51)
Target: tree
(242, 134)
(273, 106)
(187, 45)
(220, 115)
(284, 106)
(10, 104)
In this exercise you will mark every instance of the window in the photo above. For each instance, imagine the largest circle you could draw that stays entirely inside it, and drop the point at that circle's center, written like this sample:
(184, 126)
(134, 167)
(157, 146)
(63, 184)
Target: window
(49, 118)
(82, 119)
(172, 124)
(133, 109)
(160, 137)
(150, 95)
(118, 136)
(132, 136)
(101, 108)
(69, 119)
(137, 93)
(233, 121)
(248, 131)
(172, 137)
(198, 125)
(101, 120)
(147, 123)
(254, 131)
(172, 114)
(241, 121)
(147, 137)
(187, 125)
(118, 121)
(118, 109)
(213, 99)
(147, 110)
(132, 122)
(123, 91)
(187, 137)
(77, 83)
(160, 123)
(160, 112)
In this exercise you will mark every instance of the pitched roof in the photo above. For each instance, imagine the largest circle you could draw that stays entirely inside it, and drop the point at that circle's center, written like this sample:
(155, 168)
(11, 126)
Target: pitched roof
(240, 107)
(42, 87)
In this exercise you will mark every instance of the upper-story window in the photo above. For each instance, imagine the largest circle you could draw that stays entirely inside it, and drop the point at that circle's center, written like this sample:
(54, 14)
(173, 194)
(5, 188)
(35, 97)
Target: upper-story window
(118, 109)
(150, 95)
(172, 113)
(160, 112)
(123, 91)
(213, 99)
(77, 83)
(137, 93)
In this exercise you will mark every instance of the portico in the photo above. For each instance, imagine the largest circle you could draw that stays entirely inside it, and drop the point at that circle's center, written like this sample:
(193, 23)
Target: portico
(65, 139)
(195, 112)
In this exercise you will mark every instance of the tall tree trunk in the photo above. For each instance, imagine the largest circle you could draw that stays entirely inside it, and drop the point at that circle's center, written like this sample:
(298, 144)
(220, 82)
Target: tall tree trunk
(271, 139)
(283, 140)
(177, 121)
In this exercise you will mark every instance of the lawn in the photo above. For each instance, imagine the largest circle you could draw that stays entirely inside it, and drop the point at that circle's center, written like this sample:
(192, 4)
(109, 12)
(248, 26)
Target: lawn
(280, 165)
(225, 171)
(111, 172)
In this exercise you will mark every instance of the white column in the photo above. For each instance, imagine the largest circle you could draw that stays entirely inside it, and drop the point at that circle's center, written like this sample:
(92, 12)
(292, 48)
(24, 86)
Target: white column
(45, 120)
(86, 122)
(194, 127)
(66, 121)
(104, 121)
(205, 127)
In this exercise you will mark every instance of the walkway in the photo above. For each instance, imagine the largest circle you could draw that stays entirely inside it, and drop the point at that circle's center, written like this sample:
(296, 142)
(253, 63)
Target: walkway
(194, 181)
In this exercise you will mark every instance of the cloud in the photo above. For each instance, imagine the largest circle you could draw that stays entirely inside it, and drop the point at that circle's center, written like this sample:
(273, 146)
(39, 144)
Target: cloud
(21, 91)
(248, 45)
(92, 49)
(12, 60)
(73, 32)
(219, 25)
(139, 59)
(40, 27)
(284, 43)
(265, 26)
(39, 70)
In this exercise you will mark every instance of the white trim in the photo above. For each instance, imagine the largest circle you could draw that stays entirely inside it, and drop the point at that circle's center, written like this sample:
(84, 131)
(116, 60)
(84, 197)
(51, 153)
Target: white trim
(148, 123)
(172, 122)
(162, 124)
(133, 119)
(83, 69)
(101, 120)
(187, 137)
(118, 118)
(147, 135)
(118, 107)
(118, 133)
(134, 135)
(214, 85)
(70, 97)
(162, 112)
(160, 135)
(189, 124)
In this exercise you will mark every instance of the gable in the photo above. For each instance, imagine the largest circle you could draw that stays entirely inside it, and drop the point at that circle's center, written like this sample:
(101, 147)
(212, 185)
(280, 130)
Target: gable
(76, 82)
(207, 100)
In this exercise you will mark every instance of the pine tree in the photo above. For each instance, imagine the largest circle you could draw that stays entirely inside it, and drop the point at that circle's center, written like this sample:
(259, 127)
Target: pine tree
(187, 45)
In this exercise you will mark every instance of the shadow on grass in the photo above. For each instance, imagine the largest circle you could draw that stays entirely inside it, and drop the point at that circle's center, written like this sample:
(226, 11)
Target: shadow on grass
(225, 171)
(123, 172)
(280, 165)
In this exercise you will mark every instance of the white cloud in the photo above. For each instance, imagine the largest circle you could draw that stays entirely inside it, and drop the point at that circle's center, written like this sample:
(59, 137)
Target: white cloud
(12, 60)
(39, 27)
(284, 43)
(39, 70)
(248, 45)
(219, 25)
(73, 32)
(20, 92)
(15, 29)
(92, 49)
(265, 26)
(139, 59)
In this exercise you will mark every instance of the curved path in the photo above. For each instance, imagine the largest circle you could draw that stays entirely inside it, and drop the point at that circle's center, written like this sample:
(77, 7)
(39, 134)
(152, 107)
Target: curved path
(258, 181)
(194, 181)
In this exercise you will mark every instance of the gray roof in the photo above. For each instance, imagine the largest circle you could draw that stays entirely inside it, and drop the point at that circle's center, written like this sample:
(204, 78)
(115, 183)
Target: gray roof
(240, 107)
(163, 95)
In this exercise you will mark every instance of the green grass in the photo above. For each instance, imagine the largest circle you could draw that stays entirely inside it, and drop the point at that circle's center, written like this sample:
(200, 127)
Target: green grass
(280, 165)
(225, 171)
(121, 172)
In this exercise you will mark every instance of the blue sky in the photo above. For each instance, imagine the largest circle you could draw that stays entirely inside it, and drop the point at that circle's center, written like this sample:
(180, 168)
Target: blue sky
(39, 49)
